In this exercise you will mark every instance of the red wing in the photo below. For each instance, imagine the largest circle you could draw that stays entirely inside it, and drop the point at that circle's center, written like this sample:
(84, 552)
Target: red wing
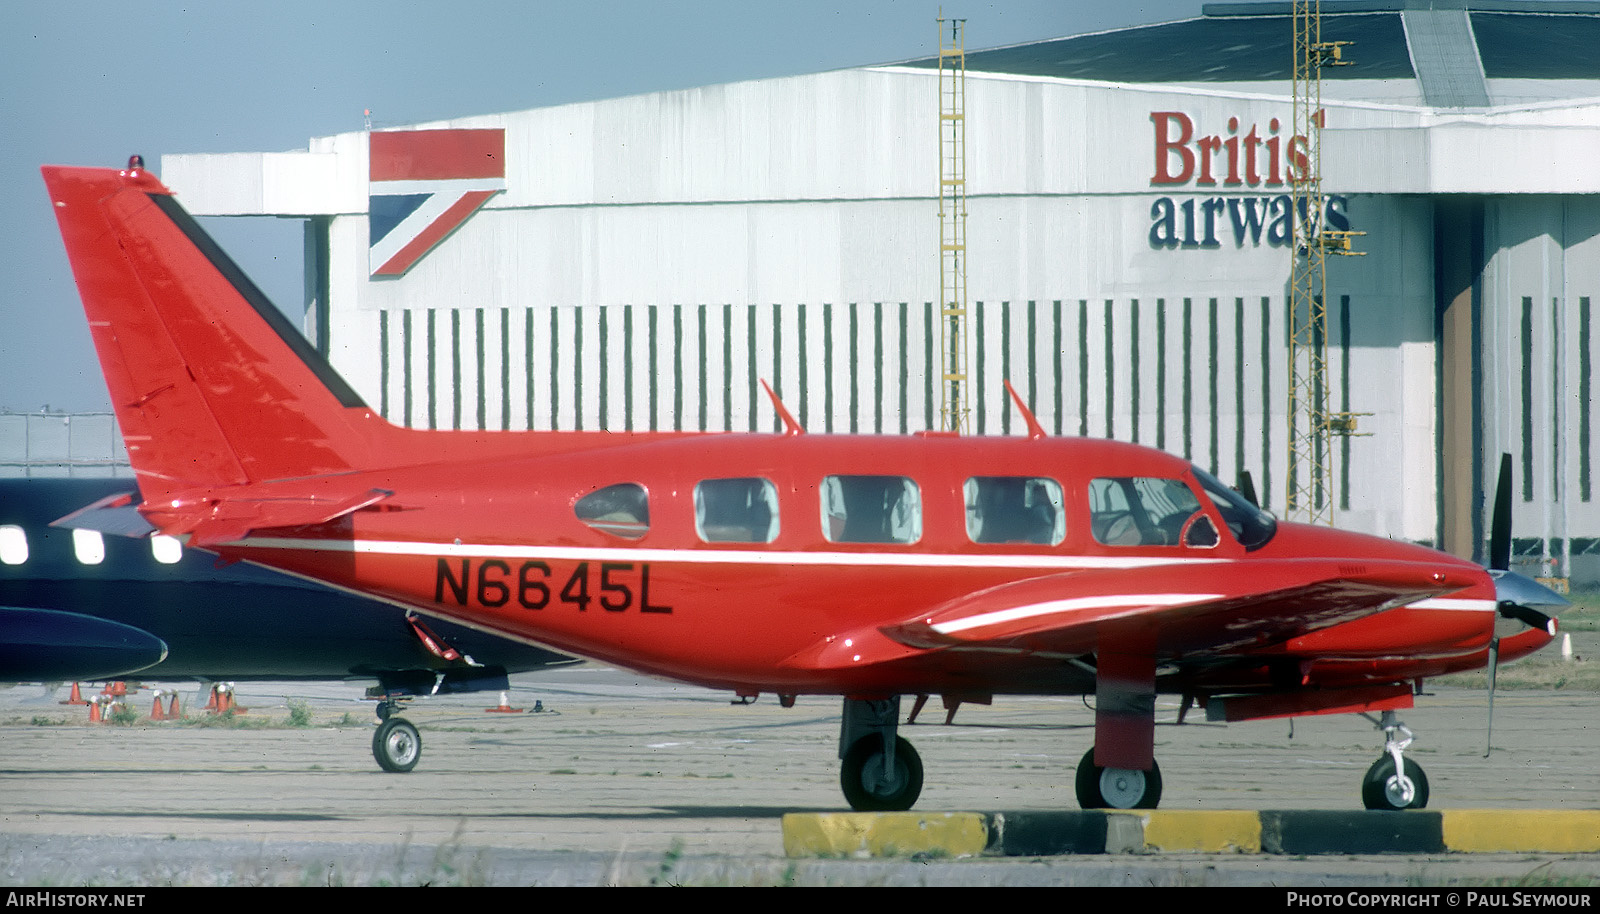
(1188, 609)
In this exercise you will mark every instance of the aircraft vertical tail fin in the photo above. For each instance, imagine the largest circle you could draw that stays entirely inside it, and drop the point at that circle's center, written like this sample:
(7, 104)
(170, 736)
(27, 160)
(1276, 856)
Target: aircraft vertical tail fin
(210, 383)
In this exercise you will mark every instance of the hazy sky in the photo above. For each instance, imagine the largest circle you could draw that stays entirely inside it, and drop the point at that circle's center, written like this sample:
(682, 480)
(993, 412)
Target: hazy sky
(89, 82)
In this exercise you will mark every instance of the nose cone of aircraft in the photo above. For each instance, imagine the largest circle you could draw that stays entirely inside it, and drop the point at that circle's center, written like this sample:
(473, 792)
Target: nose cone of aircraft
(42, 645)
(1526, 600)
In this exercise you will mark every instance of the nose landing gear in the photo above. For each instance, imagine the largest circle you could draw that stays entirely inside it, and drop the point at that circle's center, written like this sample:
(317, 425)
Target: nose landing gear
(1394, 782)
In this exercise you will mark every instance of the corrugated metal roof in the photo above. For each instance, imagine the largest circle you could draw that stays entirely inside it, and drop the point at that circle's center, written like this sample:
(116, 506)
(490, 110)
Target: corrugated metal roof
(1244, 42)
(1209, 49)
(1535, 46)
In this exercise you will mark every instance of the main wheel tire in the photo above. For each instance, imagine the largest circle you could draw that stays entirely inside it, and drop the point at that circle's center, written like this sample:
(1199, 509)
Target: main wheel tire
(397, 745)
(1117, 788)
(865, 785)
(1380, 789)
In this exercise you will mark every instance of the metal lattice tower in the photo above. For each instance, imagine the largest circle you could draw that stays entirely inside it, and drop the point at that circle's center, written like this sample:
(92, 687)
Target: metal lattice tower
(953, 223)
(1311, 425)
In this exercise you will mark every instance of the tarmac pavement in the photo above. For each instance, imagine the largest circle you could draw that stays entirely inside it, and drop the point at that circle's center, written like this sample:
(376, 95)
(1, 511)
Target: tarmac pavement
(622, 779)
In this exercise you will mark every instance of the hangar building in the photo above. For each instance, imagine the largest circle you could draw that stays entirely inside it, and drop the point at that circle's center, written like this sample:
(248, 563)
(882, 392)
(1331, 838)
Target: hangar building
(642, 262)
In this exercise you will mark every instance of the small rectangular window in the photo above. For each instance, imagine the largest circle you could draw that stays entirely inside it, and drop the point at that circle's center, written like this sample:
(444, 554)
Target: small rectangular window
(743, 510)
(166, 549)
(621, 510)
(1147, 511)
(1014, 509)
(871, 509)
(13, 544)
(89, 546)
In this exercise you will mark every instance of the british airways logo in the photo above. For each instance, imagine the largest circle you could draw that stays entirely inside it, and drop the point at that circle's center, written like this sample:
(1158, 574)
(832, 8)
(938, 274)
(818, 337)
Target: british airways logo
(1246, 158)
(422, 185)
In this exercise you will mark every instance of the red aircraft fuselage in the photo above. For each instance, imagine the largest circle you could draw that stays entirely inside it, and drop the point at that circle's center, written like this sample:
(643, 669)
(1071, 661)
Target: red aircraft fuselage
(867, 567)
(498, 543)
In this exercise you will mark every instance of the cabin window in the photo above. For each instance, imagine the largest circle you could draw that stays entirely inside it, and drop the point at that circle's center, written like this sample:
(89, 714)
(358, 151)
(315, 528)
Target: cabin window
(871, 509)
(89, 547)
(1014, 509)
(621, 510)
(13, 544)
(166, 549)
(1147, 511)
(743, 510)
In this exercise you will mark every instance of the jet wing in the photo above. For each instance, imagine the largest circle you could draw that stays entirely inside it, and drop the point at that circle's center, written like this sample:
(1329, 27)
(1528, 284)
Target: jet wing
(1183, 610)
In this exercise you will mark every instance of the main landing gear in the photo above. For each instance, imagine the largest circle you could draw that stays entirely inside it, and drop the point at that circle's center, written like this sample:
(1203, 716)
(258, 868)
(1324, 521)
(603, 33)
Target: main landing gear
(397, 746)
(1117, 788)
(1394, 782)
(880, 770)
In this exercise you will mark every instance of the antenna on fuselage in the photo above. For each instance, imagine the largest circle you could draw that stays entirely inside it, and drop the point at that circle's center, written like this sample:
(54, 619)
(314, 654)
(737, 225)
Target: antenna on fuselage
(790, 425)
(1035, 430)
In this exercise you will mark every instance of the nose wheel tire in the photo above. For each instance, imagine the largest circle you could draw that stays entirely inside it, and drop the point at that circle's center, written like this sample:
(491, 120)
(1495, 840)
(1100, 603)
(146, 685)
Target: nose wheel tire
(1381, 789)
(1117, 788)
(397, 746)
(869, 787)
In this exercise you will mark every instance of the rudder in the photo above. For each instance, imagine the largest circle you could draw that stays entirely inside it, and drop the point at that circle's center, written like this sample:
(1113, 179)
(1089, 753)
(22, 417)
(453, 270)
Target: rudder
(211, 385)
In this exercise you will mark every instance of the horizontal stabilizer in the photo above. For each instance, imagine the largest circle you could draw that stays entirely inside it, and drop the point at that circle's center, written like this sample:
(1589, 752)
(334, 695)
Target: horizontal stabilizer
(235, 517)
(116, 514)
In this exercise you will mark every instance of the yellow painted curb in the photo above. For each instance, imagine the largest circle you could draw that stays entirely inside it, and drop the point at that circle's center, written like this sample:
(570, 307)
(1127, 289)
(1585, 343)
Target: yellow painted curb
(878, 834)
(1200, 831)
(1552, 831)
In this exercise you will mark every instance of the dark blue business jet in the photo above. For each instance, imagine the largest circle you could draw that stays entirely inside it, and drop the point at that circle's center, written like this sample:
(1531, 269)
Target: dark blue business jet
(78, 604)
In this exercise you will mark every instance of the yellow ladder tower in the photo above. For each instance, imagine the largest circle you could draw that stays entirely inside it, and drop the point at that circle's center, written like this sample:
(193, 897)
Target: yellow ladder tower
(953, 223)
(1311, 425)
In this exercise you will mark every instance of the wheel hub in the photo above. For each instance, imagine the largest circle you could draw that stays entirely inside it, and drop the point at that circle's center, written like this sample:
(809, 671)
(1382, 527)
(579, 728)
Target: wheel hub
(1122, 788)
(878, 778)
(1400, 791)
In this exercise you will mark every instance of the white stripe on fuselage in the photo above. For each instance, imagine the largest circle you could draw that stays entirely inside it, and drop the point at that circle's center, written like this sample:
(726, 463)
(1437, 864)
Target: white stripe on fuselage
(1454, 604)
(722, 556)
(1137, 600)
(791, 557)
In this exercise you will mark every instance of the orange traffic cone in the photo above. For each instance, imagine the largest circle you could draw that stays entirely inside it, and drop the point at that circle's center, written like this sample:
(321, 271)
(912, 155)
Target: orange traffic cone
(172, 707)
(156, 712)
(504, 707)
(76, 698)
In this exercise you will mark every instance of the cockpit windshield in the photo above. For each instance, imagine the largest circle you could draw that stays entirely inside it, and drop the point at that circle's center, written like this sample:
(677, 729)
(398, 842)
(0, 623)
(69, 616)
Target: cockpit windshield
(1250, 525)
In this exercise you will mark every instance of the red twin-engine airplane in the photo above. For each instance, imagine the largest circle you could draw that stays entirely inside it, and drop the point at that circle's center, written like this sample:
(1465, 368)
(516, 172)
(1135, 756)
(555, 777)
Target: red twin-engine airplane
(790, 563)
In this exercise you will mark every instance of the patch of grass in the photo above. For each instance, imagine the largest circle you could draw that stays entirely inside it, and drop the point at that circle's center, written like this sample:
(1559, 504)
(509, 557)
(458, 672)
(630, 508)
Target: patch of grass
(669, 862)
(299, 712)
(122, 715)
(1534, 673)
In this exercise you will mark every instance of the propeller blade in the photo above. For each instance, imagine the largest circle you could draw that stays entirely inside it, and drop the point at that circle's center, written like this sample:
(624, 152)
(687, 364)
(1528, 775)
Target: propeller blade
(1500, 524)
(1494, 666)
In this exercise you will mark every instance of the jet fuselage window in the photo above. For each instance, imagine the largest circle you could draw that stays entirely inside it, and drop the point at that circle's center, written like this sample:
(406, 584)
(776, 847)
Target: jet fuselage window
(166, 549)
(743, 510)
(1147, 511)
(1014, 509)
(871, 509)
(620, 510)
(13, 544)
(89, 546)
